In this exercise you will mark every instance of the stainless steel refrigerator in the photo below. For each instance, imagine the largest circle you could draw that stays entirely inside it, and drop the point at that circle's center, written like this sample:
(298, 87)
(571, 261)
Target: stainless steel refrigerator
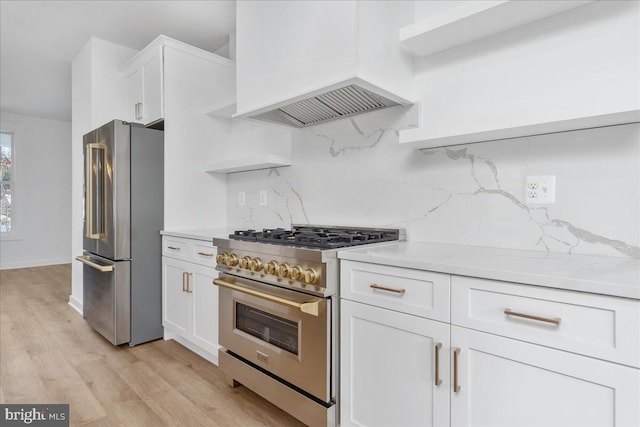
(123, 216)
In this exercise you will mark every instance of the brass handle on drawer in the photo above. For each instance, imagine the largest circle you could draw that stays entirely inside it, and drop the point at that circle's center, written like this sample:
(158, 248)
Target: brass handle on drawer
(205, 254)
(385, 288)
(555, 321)
(456, 386)
(438, 380)
(173, 248)
(188, 290)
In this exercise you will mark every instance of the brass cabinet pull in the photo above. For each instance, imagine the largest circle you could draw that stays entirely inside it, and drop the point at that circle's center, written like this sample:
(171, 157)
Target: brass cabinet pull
(205, 254)
(456, 386)
(138, 110)
(438, 380)
(184, 281)
(173, 248)
(555, 321)
(187, 287)
(384, 288)
(313, 307)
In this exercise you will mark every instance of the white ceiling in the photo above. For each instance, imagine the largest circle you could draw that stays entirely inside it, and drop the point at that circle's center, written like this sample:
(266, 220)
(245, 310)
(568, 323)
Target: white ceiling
(39, 39)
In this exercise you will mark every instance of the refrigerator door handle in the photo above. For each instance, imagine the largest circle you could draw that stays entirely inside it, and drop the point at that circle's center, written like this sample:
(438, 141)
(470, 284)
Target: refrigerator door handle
(95, 182)
(85, 259)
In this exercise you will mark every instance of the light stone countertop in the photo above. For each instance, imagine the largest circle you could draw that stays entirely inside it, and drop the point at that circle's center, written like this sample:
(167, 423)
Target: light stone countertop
(199, 233)
(616, 276)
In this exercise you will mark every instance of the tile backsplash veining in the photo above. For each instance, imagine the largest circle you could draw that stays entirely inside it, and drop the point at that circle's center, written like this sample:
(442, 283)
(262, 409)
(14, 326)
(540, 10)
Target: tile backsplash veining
(354, 172)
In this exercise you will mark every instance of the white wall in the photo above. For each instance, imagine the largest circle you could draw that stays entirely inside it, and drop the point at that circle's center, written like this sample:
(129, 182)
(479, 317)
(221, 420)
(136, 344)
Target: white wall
(97, 97)
(193, 198)
(354, 172)
(579, 63)
(43, 186)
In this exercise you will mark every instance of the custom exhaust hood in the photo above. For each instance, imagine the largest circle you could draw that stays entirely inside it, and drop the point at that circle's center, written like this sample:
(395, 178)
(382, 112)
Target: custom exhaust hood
(332, 105)
(305, 63)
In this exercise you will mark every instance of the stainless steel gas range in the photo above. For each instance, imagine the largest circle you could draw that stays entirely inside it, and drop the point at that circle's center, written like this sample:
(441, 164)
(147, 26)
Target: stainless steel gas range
(279, 316)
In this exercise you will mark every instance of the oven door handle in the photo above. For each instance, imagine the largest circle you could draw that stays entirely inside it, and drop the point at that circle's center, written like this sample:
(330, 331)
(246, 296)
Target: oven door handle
(313, 307)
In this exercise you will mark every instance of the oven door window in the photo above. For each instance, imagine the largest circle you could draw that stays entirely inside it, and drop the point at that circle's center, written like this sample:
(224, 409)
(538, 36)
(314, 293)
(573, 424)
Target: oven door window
(282, 333)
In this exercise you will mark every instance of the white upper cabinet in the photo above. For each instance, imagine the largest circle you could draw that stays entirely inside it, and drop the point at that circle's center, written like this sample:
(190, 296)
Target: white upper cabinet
(301, 63)
(144, 101)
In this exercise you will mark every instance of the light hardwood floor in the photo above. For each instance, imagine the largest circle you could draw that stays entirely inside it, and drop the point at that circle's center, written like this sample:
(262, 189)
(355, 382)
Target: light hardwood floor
(48, 354)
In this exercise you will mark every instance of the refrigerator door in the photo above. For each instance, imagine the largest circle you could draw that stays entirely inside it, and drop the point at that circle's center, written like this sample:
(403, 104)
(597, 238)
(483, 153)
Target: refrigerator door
(107, 297)
(107, 187)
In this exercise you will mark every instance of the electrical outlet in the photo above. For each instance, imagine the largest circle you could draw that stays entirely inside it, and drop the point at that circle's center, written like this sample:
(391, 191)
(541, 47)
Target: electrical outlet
(540, 189)
(263, 198)
(242, 198)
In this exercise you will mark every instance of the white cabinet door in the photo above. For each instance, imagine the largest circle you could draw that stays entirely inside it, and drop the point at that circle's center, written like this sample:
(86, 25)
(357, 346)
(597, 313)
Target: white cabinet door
(175, 301)
(153, 105)
(134, 97)
(388, 368)
(505, 382)
(144, 95)
(205, 308)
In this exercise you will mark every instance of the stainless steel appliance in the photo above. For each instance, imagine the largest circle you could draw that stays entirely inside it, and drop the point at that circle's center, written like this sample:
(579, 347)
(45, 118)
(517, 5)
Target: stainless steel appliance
(123, 216)
(278, 313)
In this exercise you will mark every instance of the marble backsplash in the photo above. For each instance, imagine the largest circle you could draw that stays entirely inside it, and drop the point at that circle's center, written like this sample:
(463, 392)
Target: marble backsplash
(354, 172)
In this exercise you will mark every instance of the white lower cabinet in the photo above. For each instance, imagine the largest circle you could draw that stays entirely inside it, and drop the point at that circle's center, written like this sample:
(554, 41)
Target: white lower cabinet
(512, 355)
(190, 300)
(510, 383)
(388, 373)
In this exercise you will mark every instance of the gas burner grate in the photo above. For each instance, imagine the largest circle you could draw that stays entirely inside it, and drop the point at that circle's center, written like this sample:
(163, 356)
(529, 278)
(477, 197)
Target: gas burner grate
(316, 237)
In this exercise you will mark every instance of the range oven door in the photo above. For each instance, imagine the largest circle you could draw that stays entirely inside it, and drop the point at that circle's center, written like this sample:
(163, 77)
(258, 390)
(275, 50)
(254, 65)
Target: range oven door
(284, 332)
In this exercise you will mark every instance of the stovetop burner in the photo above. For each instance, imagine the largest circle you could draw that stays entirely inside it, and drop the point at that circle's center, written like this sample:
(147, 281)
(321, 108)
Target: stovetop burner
(316, 237)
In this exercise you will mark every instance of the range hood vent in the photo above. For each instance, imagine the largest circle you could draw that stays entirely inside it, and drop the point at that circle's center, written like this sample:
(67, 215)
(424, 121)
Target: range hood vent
(336, 104)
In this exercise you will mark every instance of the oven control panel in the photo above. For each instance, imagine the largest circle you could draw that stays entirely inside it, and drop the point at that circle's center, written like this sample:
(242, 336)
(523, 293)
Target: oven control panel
(282, 271)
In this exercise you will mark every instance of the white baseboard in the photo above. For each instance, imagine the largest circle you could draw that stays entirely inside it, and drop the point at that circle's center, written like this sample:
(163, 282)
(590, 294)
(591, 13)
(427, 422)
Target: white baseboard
(34, 263)
(75, 303)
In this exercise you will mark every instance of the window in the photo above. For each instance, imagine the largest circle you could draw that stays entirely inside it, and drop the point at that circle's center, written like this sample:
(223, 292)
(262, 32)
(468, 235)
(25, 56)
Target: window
(7, 184)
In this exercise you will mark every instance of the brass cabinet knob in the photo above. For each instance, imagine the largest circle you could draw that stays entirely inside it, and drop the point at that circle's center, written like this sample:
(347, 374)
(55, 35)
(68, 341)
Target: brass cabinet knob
(283, 270)
(232, 260)
(311, 275)
(245, 262)
(256, 264)
(296, 272)
(222, 258)
(271, 267)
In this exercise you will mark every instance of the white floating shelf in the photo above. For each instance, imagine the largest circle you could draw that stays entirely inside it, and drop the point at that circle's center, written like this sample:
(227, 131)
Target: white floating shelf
(248, 164)
(422, 138)
(474, 20)
(224, 109)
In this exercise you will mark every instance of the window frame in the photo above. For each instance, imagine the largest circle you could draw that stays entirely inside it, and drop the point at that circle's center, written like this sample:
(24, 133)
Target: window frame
(17, 132)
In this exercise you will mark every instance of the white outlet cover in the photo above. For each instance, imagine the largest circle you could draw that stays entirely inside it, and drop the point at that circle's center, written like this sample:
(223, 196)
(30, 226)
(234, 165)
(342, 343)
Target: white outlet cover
(263, 198)
(540, 190)
(242, 197)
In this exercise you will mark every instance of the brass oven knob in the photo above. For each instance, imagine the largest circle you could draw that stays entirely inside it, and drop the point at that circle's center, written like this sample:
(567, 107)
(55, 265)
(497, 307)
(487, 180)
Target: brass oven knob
(283, 270)
(296, 272)
(222, 258)
(256, 264)
(272, 267)
(232, 260)
(311, 275)
(245, 262)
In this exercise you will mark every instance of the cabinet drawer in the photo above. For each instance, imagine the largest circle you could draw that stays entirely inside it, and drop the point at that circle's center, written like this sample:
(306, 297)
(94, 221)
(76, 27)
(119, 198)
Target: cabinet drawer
(594, 325)
(175, 247)
(416, 292)
(203, 253)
